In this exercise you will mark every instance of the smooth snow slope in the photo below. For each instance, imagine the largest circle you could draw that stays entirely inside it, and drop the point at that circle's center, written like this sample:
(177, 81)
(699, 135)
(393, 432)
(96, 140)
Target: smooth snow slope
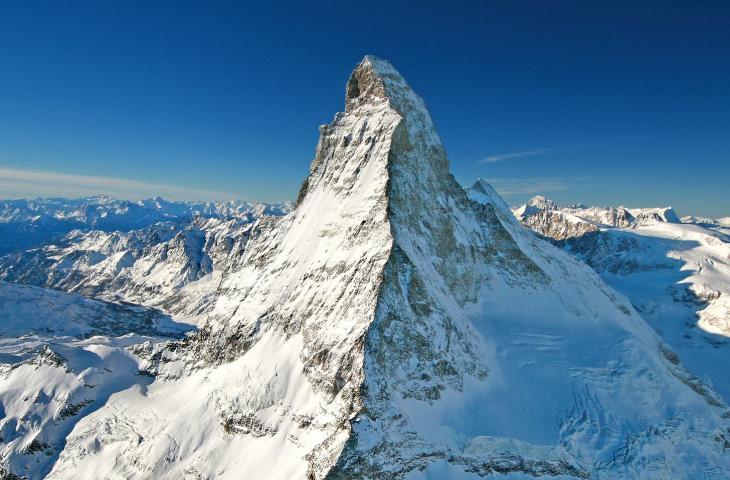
(392, 327)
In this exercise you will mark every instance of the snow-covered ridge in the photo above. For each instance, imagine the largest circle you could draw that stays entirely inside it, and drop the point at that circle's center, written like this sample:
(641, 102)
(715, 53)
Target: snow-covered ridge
(171, 264)
(164, 265)
(545, 217)
(719, 222)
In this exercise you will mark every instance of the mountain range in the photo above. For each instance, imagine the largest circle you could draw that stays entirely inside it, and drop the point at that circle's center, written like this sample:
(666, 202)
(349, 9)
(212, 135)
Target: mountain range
(30, 223)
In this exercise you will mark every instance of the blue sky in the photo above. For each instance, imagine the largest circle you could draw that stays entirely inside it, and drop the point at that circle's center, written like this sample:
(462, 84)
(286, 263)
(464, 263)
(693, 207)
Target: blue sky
(597, 102)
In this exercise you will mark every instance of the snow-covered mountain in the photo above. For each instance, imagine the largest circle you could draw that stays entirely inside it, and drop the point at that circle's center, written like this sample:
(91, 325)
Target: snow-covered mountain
(170, 265)
(390, 326)
(709, 222)
(30, 223)
(677, 274)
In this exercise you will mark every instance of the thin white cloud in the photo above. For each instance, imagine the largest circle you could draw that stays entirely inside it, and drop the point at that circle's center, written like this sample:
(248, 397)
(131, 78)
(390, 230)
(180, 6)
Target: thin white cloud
(508, 156)
(527, 186)
(20, 183)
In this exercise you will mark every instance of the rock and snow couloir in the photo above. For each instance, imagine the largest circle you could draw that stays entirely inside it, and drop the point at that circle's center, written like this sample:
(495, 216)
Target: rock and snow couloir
(391, 326)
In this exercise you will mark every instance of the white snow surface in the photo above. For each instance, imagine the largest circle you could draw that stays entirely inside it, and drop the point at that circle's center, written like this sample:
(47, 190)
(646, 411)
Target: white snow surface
(61, 357)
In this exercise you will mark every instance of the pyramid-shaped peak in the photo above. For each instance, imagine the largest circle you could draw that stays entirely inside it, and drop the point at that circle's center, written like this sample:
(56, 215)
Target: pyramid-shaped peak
(383, 116)
(375, 83)
(361, 335)
(367, 83)
(379, 65)
(482, 186)
(484, 192)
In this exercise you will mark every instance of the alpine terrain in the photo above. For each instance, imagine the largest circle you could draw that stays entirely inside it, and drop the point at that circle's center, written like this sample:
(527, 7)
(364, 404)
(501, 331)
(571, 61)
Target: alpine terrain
(675, 272)
(392, 325)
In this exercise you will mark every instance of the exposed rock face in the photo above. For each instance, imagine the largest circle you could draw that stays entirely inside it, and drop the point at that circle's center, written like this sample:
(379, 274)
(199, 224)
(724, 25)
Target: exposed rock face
(392, 327)
(544, 217)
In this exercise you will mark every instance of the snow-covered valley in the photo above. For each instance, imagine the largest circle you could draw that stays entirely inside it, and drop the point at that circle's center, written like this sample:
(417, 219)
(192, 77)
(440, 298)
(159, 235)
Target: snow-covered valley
(390, 324)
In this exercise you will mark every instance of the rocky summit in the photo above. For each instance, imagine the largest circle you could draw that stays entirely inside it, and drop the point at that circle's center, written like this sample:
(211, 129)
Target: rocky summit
(393, 325)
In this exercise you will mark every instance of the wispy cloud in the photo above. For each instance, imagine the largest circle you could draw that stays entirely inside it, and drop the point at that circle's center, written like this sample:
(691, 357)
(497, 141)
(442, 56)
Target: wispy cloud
(509, 156)
(528, 186)
(20, 183)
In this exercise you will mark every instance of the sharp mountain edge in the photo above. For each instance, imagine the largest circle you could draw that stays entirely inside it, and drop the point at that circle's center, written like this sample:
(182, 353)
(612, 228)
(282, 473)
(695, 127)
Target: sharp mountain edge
(390, 326)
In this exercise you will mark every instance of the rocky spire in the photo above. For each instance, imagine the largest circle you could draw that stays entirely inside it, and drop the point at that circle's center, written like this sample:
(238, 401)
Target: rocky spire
(366, 85)
(381, 110)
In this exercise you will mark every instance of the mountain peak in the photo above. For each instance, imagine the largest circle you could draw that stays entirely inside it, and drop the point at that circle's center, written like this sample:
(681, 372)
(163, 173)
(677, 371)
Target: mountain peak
(538, 201)
(382, 116)
(366, 84)
(483, 186)
(483, 192)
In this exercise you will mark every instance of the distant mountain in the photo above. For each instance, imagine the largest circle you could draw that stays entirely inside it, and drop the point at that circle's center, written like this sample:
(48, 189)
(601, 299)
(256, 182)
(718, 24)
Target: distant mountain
(543, 216)
(716, 222)
(29, 223)
(677, 274)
